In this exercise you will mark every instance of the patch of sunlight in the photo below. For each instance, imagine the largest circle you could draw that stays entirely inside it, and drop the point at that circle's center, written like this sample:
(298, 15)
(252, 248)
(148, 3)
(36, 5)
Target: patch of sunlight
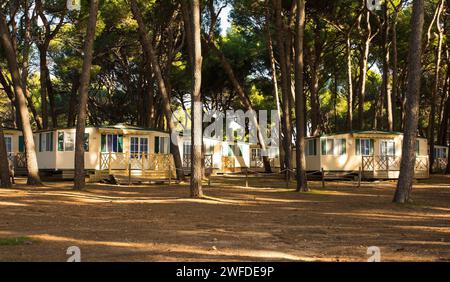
(16, 241)
(12, 204)
(180, 248)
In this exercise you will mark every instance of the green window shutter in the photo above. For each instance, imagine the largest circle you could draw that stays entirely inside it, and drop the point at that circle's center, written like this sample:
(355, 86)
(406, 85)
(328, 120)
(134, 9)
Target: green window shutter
(86, 142)
(120, 143)
(51, 141)
(358, 147)
(60, 141)
(156, 144)
(323, 143)
(40, 142)
(103, 143)
(21, 144)
(417, 147)
(372, 142)
(343, 146)
(315, 147)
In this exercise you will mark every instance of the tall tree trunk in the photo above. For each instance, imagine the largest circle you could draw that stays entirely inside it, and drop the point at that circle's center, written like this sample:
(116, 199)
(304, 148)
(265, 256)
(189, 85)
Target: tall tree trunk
(21, 104)
(315, 74)
(79, 181)
(300, 98)
(349, 84)
(395, 80)
(197, 109)
(43, 78)
(387, 86)
(154, 65)
(4, 163)
(407, 165)
(432, 119)
(282, 43)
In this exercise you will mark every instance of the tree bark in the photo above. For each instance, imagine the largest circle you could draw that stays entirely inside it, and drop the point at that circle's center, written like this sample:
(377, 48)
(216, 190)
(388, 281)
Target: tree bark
(283, 45)
(4, 163)
(387, 86)
(432, 119)
(300, 98)
(21, 104)
(349, 83)
(197, 109)
(407, 165)
(154, 65)
(79, 181)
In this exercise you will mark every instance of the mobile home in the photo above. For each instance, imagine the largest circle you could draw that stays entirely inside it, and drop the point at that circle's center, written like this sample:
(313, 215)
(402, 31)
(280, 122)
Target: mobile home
(376, 153)
(108, 150)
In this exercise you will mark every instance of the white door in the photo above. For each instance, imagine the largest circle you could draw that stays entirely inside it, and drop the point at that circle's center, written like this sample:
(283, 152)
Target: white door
(138, 149)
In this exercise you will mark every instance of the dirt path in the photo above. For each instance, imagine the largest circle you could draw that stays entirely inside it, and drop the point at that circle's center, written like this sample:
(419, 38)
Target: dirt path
(160, 223)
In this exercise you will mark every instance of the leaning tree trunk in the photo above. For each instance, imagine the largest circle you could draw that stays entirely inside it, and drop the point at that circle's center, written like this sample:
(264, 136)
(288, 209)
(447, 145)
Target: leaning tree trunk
(245, 101)
(196, 156)
(79, 181)
(407, 165)
(21, 104)
(300, 98)
(154, 65)
(4, 163)
(363, 73)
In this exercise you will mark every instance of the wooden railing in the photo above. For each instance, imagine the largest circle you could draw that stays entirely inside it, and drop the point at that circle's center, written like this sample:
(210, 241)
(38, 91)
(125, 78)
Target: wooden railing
(228, 162)
(440, 164)
(391, 163)
(18, 160)
(208, 161)
(136, 161)
(257, 162)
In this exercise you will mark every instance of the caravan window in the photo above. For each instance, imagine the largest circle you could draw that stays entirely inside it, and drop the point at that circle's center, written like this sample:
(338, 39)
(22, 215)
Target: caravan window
(364, 147)
(112, 143)
(46, 142)
(336, 147)
(8, 141)
(66, 141)
(440, 153)
(311, 147)
(162, 145)
(387, 148)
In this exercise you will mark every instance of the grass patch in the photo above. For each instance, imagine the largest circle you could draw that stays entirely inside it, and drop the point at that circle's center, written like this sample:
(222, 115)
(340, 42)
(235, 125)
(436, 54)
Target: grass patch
(16, 241)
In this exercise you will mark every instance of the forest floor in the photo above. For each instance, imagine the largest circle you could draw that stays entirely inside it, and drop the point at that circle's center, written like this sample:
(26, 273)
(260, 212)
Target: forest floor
(266, 222)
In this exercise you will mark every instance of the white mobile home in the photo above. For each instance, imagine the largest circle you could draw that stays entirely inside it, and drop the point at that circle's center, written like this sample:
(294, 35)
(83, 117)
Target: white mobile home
(107, 148)
(376, 153)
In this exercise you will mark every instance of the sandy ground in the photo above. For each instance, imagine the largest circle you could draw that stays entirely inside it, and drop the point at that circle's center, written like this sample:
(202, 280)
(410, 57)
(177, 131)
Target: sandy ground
(263, 223)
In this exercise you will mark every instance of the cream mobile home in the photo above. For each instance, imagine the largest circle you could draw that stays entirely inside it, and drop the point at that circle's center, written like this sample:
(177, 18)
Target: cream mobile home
(376, 153)
(108, 150)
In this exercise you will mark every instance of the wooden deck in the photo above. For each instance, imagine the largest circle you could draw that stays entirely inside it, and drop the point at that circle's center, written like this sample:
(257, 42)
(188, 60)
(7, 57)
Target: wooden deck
(388, 167)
